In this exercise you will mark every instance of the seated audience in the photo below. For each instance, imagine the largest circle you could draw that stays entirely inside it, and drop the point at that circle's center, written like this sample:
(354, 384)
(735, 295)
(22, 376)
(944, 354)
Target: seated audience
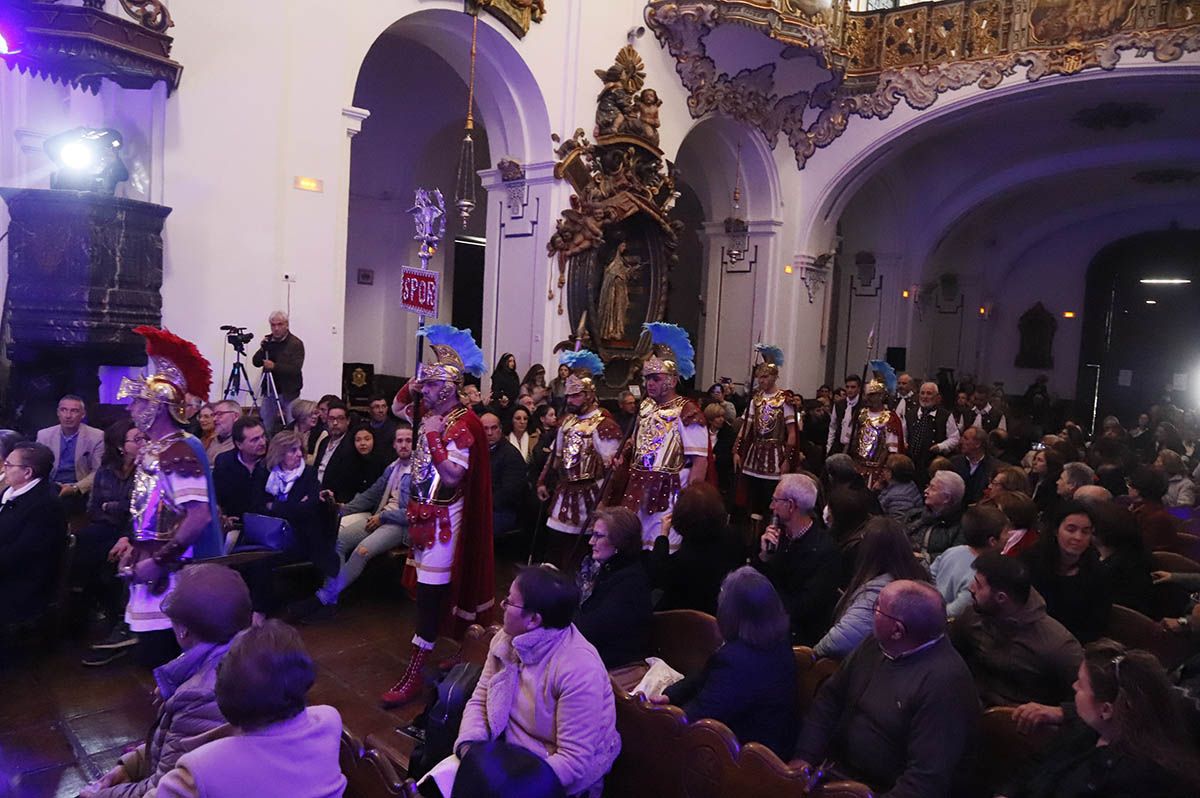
(292, 494)
(1125, 740)
(497, 769)
(78, 450)
(749, 683)
(33, 533)
(1147, 488)
(370, 461)
(1020, 533)
(307, 422)
(883, 557)
(519, 435)
(206, 424)
(208, 605)
(1065, 569)
(1010, 479)
(901, 713)
(108, 521)
(800, 558)
(616, 614)
(1092, 495)
(1124, 559)
(1181, 491)
(690, 579)
(337, 462)
(953, 571)
(373, 522)
(509, 486)
(543, 687)
(280, 748)
(382, 426)
(239, 475)
(939, 527)
(901, 497)
(1016, 652)
(1043, 476)
(1073, 477)
(225, 413)
(974, 464)
(848, 512)
(840, 472)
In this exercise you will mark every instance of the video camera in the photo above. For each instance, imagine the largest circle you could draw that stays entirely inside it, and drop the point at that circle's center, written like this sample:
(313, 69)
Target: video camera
(237, 337)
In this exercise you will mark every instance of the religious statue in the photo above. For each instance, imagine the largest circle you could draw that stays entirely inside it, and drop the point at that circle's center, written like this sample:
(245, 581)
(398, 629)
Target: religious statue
(614, 294)
(1037, 327)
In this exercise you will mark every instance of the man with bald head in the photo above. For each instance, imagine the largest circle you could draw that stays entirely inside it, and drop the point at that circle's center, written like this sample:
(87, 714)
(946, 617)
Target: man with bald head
(509, 486)
(929, 429)
(901, 712)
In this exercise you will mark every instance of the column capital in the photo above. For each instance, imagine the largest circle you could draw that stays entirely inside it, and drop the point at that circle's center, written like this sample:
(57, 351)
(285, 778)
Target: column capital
(354, 118)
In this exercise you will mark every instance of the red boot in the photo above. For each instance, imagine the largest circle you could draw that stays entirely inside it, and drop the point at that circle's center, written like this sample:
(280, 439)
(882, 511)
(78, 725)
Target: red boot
(411, 684)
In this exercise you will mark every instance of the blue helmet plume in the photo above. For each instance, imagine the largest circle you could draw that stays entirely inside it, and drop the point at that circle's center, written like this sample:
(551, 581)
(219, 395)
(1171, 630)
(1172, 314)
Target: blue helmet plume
(461, 341)
(676, 338)
(770, 353)
(886, 373)
(583, 359)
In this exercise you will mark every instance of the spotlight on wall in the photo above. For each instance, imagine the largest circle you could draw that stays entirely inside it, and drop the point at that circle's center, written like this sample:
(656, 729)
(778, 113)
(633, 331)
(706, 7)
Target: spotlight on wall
(88, 159)
(1151, 301)
(1164, 281)
(1068, 314)
(904, 294)
(7, 47)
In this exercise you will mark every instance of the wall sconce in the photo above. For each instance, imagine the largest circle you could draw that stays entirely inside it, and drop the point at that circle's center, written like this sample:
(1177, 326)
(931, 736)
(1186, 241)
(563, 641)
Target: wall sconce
(813, 275)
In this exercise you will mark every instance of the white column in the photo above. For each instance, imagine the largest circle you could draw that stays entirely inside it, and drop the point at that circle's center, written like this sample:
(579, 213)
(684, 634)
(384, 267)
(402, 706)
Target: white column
(518, 315)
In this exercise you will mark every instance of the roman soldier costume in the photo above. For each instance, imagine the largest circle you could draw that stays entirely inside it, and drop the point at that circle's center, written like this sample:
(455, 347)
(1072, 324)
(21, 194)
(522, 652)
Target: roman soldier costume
(172, 472)
(666, 438)
(764, 442)
(584, 446)
(877, 434)
(450, 525)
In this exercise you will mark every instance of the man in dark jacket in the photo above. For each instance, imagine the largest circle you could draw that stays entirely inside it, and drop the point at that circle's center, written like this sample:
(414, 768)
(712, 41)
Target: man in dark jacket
(929, 431)
(509, 487)
(901, 713)
(974, 464)
(335, 457)
(33, 532)
(281, 355)
(800, 558)
(1016, 652)
(239, 476)
(941, 525)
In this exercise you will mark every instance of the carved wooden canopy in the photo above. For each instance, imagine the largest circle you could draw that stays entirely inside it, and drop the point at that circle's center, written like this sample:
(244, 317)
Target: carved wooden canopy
(876, 59)
(80, 45)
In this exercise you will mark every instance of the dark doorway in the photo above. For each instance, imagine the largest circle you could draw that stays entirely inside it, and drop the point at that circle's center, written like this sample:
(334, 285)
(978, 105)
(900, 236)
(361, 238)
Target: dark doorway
(1141, 338)
(466, 306)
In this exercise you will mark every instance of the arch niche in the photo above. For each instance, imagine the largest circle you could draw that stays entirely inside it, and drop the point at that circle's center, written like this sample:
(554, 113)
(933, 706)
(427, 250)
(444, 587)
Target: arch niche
(722, 304)
(412, 82)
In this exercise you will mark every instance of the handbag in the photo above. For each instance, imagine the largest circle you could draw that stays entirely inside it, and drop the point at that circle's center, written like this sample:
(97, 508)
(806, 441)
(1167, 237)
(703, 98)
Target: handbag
(264, 533)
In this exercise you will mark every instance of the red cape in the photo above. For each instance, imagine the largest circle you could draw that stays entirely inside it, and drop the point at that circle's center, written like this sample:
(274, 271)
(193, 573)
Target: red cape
(472, 578)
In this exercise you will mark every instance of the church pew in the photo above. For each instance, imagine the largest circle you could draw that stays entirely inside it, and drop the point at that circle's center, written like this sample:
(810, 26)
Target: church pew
(369, 773)
(1175, 563)
(1002, 748)
(1134, 630)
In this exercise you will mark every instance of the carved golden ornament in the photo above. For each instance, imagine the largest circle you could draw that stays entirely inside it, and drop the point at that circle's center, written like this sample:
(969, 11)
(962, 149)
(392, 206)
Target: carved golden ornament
(150, 14)
(516, 15)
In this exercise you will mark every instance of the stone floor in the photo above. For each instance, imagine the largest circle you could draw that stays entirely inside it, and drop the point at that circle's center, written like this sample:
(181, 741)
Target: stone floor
(62, 725)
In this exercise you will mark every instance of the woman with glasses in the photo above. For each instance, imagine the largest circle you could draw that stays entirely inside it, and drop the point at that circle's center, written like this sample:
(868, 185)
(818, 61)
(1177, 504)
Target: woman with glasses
(1126, 740)
(616, 615)
(543, 688)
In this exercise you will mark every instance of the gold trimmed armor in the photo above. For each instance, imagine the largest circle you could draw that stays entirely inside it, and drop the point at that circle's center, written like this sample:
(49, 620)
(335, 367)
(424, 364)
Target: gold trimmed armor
(876, 435)
(585, 446)
(762, 440)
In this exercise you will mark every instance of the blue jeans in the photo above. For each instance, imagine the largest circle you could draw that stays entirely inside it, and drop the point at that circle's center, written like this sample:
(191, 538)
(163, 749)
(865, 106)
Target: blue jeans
(353, 538)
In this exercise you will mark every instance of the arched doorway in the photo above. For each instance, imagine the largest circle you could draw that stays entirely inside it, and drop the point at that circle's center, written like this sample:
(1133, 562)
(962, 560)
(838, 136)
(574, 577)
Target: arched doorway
(724, 300)
(413, 84)
(1141, 338)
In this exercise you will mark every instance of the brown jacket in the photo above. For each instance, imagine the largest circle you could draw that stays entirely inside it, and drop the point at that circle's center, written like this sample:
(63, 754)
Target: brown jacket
(1027, 656)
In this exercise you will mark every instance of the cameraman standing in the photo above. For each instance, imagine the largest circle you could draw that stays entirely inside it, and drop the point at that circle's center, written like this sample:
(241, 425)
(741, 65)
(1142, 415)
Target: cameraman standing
(282, 355)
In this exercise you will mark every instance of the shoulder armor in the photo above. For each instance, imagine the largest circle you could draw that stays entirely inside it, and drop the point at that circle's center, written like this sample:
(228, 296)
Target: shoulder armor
(179, 458)
(691, 413)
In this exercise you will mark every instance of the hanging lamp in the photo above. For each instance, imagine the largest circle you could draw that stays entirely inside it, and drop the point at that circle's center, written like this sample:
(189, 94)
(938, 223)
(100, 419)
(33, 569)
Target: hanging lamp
(736, 228)
(464, 191)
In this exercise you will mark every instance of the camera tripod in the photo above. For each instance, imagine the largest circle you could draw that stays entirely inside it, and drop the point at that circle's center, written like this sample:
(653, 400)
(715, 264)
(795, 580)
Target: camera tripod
(272, 409)
(239, 382)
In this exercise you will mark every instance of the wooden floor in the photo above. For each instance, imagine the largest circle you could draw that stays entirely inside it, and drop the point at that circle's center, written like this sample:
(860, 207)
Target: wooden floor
(62, 724)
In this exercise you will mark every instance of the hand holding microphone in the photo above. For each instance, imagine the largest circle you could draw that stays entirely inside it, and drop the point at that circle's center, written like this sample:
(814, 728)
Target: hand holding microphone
(770, 538)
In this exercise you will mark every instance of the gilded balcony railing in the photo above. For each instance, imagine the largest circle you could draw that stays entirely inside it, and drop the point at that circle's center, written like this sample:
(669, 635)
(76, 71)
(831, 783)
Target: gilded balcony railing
(911, 53)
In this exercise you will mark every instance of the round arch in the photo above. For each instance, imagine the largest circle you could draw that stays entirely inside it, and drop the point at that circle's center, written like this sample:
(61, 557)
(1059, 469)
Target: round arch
(817, 226)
